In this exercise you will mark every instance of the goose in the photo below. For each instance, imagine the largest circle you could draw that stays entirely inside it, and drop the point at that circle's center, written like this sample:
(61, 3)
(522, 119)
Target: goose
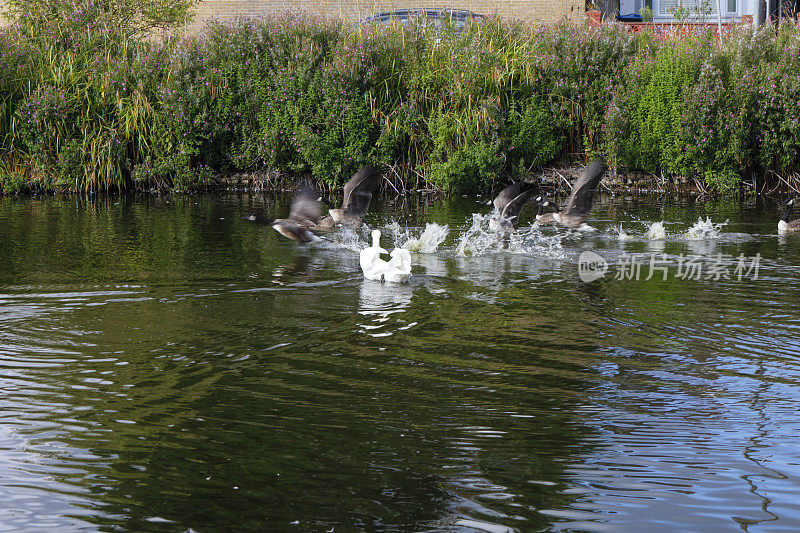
(357, 195)
(784, 224)
(579, 205)
(397, 269)
(508, 204)
(304, 213)
(542, 218)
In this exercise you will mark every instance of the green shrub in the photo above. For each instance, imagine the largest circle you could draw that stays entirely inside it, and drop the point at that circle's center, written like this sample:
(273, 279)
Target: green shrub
(85, 104)
(534, 140)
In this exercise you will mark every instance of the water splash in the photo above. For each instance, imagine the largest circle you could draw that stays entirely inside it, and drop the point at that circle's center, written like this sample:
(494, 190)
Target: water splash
(533, 241)
(480, 239)
(704, 229)
(619, 233)
(656, 232)
(428, 241)
(346, 238)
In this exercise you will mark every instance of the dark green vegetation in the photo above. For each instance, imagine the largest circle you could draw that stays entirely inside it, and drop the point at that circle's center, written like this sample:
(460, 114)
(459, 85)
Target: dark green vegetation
(86, 104)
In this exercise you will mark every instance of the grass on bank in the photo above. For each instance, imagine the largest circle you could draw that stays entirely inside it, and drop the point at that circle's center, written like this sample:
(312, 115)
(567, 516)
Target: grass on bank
(86, 107)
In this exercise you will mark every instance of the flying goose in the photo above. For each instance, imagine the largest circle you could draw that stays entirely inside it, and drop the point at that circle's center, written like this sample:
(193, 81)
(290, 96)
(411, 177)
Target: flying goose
(508, 204)
(357, 195)
(579, 205)
(542, 218)
(786, 226)
(304, 213)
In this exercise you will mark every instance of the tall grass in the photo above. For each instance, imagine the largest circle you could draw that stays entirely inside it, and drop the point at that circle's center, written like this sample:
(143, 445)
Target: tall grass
(78, 102)
(83, 107)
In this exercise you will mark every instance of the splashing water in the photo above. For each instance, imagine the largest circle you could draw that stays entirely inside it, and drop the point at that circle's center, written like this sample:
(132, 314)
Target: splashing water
(619, 233)
(346, 238)
(428, 241)
(704, 229)
(479, 239)
(532, 241)
(656, 232)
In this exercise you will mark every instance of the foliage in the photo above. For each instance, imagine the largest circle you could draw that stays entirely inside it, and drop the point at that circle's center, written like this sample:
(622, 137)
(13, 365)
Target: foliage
(69, 20)
(651, 110)
(711, 112)
(87, 104)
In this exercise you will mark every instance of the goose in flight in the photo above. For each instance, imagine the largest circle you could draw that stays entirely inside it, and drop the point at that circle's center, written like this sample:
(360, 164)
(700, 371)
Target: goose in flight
(784, 224)
(508, 204)
(579, 205)
(542, 218)
(304, 213)
(357, 195)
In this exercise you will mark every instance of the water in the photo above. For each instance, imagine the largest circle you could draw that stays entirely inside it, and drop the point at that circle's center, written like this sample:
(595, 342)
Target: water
(165, 365)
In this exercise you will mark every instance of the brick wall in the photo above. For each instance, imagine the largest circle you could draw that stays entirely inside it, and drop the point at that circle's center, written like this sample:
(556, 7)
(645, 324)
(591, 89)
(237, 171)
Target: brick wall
(532, 10)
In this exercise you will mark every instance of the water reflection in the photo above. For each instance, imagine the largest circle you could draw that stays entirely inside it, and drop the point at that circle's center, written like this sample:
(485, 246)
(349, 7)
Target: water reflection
(434, 265)
(166, 366)
(378, 302)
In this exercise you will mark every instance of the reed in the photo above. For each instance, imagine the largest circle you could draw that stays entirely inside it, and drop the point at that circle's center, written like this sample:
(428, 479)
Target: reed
(84, 106)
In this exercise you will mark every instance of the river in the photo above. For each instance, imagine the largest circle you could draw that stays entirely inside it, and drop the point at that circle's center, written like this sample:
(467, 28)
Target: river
(167, 366)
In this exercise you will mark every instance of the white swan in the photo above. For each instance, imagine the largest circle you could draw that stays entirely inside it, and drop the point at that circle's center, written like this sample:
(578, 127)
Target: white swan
(400, 264)
(370, 258)
(397, 269)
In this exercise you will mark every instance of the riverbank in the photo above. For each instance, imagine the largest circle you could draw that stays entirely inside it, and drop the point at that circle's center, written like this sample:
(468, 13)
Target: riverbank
(450, 111)
(554, 181)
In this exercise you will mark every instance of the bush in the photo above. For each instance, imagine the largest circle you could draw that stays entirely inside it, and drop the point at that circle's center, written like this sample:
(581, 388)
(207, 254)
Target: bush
(644, 120)
(86, 104)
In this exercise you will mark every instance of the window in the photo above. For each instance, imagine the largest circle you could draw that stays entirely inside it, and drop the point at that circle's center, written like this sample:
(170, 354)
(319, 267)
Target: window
(695, 7)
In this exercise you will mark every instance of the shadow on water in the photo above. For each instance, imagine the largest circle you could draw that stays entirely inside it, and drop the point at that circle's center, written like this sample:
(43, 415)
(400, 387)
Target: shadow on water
(165, 365)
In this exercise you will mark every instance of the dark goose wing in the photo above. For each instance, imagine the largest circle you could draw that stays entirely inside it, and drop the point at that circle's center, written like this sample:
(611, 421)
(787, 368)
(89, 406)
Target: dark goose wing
(580, 201)
(305, 206)
(506, 196)
(513, 207)
(358, 190)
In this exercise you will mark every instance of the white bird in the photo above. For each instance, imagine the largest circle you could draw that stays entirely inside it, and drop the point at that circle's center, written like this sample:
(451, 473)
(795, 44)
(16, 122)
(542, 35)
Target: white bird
(396, 270)
(371, 263)
(400, 264)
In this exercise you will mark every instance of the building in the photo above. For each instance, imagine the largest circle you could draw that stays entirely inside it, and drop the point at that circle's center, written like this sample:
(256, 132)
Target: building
(694, 10)
(529, 10)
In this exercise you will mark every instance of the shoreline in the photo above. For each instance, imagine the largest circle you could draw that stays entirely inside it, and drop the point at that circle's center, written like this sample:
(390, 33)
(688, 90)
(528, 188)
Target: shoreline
(553, 181)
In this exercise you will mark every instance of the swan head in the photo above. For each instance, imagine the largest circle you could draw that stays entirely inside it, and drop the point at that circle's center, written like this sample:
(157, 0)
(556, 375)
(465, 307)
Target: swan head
(376, 238)
(376, 243)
